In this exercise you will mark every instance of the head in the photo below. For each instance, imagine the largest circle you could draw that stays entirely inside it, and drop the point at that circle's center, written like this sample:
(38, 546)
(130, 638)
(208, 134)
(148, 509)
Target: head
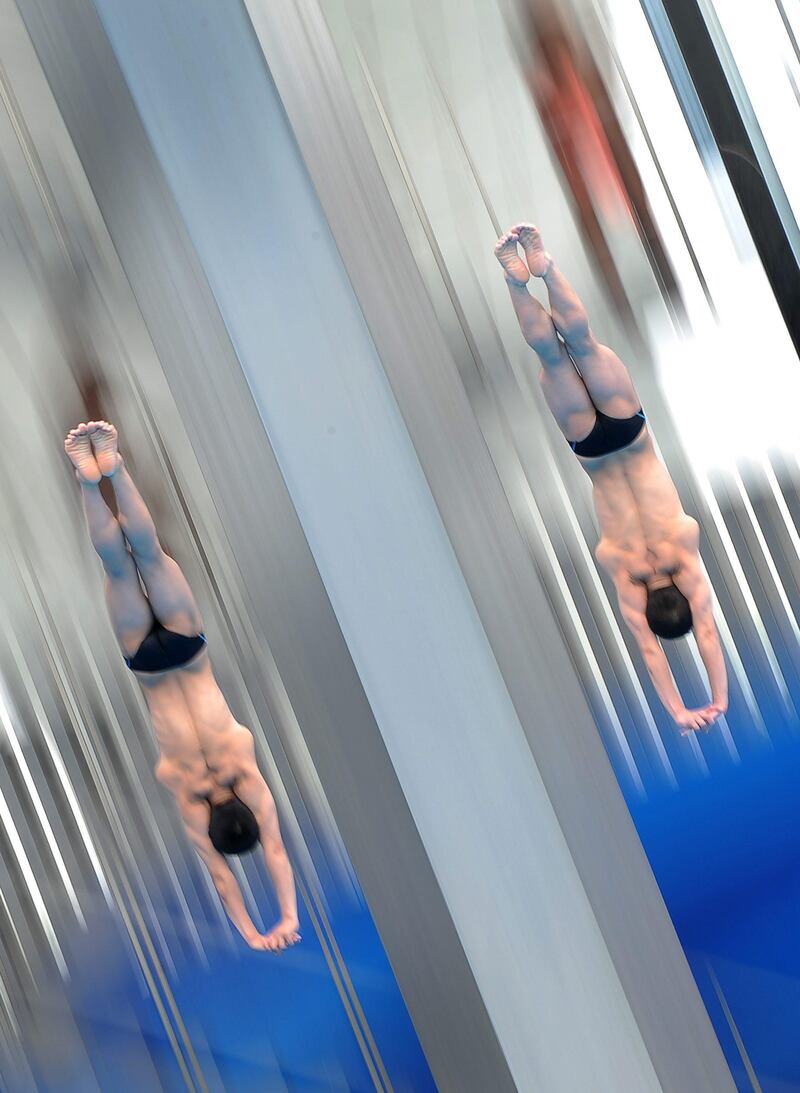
(232, 827)
(668, 612)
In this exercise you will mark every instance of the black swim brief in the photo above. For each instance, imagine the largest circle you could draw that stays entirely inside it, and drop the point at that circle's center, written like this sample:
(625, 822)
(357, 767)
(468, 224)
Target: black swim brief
(609, 434)
(163, 649)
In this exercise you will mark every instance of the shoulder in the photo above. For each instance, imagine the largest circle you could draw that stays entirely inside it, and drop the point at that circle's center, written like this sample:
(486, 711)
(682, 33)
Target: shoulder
(686, 533)
(170, 775)
(240, 745)
(608, 556)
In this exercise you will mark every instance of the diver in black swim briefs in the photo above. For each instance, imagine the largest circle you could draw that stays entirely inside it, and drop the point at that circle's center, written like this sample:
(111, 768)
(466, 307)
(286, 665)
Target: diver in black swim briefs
(207, 759)
(163, 649)
(648, 544)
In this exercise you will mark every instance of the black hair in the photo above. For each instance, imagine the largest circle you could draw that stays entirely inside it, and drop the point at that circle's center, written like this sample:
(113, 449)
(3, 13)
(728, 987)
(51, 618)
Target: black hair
(233, 829)
(668, 612)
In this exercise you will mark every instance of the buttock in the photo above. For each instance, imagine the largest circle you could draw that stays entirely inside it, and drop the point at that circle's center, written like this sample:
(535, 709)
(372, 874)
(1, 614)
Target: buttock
(609, 434)
(163, 650)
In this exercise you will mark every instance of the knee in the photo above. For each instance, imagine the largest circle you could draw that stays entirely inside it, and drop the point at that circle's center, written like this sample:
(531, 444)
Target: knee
(114, 556)
(574, 329)
(549, 350)
(543, 340)
(148, 554)
(141, 537)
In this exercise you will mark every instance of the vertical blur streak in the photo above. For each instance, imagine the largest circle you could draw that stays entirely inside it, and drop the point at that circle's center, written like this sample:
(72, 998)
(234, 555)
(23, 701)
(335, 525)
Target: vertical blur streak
(30, 883)
(13, 740)
(55, 757)
(763, 97)
(621, 75)
(740, 1047)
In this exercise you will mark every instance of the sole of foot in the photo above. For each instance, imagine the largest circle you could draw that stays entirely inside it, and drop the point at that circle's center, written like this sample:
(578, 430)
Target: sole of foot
(78, 447)
(507, 255)
(539, 261)
(103, 436)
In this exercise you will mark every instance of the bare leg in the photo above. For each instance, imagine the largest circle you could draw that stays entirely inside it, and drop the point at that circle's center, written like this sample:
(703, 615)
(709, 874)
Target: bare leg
(127, 604)
(167, 589)
(128, 608)
(563, 388)
(607, 379)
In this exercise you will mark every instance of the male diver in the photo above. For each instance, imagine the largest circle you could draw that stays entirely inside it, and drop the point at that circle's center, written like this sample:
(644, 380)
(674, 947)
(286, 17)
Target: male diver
(207, 760)
(648, 545)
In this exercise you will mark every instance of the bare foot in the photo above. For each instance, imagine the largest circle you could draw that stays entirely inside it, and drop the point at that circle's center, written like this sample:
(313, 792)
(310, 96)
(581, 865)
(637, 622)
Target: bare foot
(104, 441)
(282, 935)
(506, 253)
(79, 449)
(539, 261)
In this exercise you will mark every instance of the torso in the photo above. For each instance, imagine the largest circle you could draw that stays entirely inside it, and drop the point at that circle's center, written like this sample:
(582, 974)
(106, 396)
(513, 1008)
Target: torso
(201, 743)
(643, 528)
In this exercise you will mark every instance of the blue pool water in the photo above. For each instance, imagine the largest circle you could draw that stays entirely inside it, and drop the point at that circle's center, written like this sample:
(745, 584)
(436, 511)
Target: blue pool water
(256, 1021)
(726, 853)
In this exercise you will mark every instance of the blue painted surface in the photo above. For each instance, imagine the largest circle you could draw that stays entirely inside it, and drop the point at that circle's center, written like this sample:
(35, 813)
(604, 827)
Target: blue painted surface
(256, 1021)
(725, 851)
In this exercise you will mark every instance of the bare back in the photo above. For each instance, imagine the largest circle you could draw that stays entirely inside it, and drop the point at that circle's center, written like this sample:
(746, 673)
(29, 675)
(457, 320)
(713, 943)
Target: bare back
(201, 742)
(643, 527)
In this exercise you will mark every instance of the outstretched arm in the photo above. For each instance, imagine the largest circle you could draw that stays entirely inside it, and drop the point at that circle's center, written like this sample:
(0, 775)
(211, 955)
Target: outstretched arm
(693, 583)
(195, 816)
(254, 792)
(633, 601)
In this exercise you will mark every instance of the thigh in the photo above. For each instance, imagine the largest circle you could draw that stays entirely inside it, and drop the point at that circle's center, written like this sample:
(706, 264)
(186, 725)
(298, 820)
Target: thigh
(170, 596)
(128, 607)
(607, 380)
(567, 398)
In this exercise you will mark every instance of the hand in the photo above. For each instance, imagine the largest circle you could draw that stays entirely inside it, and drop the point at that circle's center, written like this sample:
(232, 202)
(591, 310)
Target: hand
(692, 720)
(281, 936)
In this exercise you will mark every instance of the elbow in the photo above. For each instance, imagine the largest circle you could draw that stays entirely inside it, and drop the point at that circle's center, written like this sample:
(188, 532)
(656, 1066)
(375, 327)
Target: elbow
(220, 876)
(273, 848)
(705, 633)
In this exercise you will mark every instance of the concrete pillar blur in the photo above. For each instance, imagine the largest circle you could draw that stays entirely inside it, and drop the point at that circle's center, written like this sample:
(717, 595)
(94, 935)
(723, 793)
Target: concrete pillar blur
(553, 1010)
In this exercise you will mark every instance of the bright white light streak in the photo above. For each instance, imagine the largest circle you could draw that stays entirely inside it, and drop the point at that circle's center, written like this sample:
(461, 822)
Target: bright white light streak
(34, 891)
(33, 983)
(8, 1007)
(773, 569)
(689, 387)
(791, 11)
(758, 42)
(758, 622)
(783, 509)
(102, 693)
(583, 638)
(76, 716)
(702, 195)
(58, 763)
(38, 804)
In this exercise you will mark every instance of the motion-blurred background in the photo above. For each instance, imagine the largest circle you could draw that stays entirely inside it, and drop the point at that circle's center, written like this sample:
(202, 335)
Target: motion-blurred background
(172, 260)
